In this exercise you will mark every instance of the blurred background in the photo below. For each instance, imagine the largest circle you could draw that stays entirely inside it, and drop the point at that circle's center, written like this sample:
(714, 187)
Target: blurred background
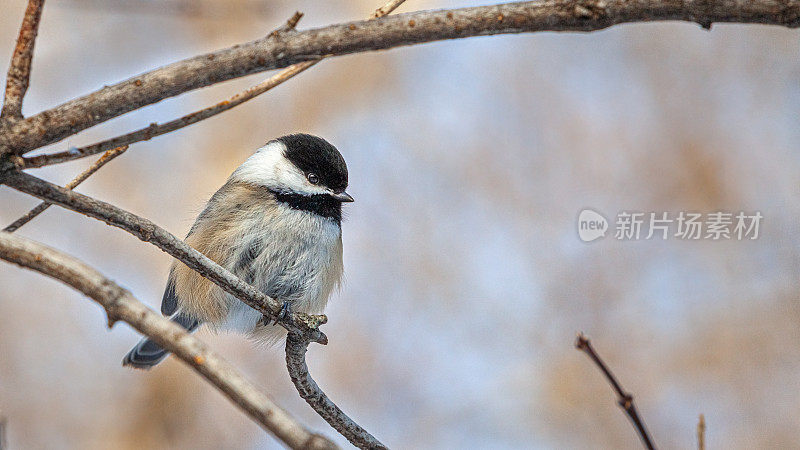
(466, 281)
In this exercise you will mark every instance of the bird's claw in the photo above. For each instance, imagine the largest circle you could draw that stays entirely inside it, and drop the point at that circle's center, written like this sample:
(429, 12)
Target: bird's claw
(282, 314)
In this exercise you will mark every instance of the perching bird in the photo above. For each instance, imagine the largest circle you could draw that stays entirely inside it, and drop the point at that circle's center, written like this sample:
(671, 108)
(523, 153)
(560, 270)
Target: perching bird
(276, 223)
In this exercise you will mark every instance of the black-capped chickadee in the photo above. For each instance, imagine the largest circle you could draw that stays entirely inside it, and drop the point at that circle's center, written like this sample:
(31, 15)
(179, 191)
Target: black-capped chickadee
(276, 223)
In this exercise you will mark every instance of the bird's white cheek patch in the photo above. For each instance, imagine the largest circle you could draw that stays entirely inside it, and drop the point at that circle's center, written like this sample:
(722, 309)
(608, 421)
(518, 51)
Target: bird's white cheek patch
(269, 167)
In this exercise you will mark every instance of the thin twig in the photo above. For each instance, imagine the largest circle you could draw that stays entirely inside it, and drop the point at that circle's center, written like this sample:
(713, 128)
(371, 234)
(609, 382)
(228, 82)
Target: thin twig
(414, 28)
(701, 433)
(120, 305)
(296, 347)
(290, 24)
(387, 9)
(19, 71)
(624, 399)
(30, 215)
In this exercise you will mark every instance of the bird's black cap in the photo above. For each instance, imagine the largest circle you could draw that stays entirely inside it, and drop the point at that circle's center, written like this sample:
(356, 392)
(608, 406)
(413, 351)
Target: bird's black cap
(312, 154)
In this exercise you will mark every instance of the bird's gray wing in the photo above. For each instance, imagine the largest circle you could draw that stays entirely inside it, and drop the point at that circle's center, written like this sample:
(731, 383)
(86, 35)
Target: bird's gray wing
(169, 303)
(147, 353)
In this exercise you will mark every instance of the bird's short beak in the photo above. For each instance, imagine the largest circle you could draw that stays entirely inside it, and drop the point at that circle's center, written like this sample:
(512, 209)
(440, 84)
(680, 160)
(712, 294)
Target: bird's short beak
(342, 196)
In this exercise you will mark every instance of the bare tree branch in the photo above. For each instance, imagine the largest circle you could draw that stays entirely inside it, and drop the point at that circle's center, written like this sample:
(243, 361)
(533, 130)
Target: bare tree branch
(156, 129)
(296, 347)
(624, 399)
(30, 215)
(273, 52)
(19, 71)
(121, 305)
(149, 232)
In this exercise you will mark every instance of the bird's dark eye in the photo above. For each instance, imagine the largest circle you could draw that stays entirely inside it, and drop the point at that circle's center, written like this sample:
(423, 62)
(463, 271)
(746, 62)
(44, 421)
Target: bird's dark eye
(313, 178)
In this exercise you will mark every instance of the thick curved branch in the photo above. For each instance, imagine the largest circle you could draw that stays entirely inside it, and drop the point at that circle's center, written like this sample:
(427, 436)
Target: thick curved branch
(273, 52)
(296, 347)
(121, 305)
(149, 232)
(19, 71)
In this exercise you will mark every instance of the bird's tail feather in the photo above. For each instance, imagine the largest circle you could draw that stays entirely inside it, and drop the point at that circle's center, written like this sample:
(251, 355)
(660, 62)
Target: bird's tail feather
(147, 353)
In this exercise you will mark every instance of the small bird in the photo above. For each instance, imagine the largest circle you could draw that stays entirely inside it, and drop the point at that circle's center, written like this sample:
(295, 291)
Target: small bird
(276, 223)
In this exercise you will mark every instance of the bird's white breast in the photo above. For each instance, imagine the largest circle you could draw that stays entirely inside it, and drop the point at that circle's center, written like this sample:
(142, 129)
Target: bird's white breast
(300, 262)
